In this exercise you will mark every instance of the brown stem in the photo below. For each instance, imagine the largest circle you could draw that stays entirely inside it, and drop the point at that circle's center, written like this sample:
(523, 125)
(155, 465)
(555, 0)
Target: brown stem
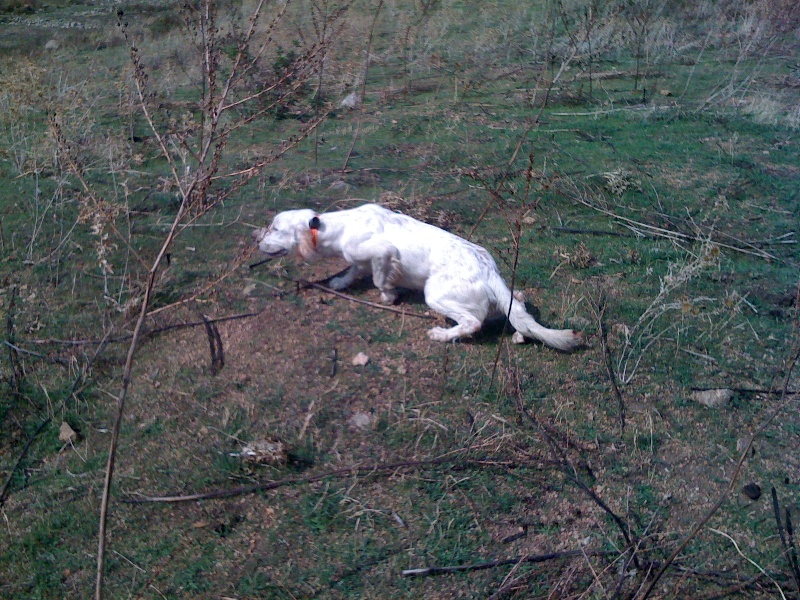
(328, 290)
(536, 558)
(126, 381)
(599, 305)
(6, 487)
(335, 474)
(363, 86)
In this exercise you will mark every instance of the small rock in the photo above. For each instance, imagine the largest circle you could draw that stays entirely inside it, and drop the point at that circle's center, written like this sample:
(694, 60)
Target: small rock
(360, 359)
(752, 491)
(712, 398)
(66, 434)
(742, 443)
(51, 45)
(350, 101)
(249, 289)
(362, 420)
(665, 92)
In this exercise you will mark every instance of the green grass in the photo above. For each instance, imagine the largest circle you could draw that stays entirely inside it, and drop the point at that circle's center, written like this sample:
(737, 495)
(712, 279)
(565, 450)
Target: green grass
(441, 120)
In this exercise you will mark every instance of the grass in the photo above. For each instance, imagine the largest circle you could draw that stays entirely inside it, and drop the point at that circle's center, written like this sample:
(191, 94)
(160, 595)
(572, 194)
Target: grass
(439, 125)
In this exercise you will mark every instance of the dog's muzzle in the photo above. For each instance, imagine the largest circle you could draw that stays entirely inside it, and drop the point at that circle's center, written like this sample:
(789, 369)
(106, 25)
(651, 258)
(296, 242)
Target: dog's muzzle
(258, 236)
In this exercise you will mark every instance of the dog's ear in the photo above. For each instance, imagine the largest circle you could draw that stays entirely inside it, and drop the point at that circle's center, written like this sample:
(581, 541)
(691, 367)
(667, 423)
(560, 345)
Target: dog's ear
(314, 223)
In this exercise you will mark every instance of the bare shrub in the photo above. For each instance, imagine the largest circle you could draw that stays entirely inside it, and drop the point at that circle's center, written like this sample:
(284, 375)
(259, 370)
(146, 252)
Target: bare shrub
(234, 73)
(783, 16)
(672, 312)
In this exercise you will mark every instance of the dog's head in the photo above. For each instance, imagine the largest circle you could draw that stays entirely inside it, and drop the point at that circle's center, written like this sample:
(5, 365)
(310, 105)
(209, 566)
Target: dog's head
(290, 231)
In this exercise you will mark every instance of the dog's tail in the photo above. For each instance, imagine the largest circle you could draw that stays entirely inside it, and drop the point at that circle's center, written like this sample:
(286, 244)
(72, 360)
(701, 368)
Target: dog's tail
(561, 339)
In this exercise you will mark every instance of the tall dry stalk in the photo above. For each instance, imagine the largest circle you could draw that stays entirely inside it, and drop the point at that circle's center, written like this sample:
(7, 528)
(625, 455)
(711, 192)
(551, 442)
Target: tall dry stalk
(236, 89)
(666, 315)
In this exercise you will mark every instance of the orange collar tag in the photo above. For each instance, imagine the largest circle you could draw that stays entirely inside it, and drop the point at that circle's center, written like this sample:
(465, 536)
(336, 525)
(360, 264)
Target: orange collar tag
(314, 233)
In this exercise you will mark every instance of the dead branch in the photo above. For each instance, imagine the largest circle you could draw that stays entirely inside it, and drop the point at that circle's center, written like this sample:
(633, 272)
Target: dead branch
(15, 368)
(126, 382)
(537, 558)
(328, 290)
(354, 471)
(739, 390)
(190, 324)
(6, 487)
(789, 549)
(242, 258)
(642, 228)
(363, 85)
(748, 584)
(570, 472)
(516, 235)
(215, 345)
(599, 305)
(598, 232)
(150, 333)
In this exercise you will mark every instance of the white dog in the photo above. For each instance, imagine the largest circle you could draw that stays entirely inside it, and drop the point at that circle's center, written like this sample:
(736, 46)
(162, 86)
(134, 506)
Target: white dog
(460, 279)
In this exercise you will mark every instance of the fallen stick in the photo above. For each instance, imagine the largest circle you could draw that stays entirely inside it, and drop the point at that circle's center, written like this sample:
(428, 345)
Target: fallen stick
(328, 290)
(7, 486)
(673, 235)
(271, 485)
(537, 558)
(152, 332)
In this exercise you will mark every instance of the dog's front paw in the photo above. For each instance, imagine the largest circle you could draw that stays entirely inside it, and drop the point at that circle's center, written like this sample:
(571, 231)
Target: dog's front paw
(389, 297)
(517, 338)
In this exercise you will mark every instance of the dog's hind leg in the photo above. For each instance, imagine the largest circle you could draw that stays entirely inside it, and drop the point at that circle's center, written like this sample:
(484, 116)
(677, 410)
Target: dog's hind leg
(468, 309)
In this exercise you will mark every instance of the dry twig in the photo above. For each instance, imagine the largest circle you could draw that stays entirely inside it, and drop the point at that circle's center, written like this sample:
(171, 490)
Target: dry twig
(215, 345)
(363, 85)
(789, 549)
(7, 486)
(642, 228)
(571, 473)
(599, 305)
(194, 188)
(399, 311)
(354, 471)
(536, 558)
